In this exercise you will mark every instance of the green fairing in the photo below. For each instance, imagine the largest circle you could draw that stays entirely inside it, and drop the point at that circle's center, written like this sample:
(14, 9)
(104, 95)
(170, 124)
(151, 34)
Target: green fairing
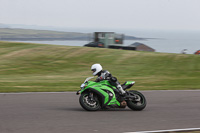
(100, 87)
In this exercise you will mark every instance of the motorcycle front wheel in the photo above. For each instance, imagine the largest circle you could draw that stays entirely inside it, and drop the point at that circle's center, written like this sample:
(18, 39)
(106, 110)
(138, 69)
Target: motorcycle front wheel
(139, 103)
(88, 103)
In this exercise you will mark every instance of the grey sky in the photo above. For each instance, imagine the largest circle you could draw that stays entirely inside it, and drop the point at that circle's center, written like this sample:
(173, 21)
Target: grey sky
(120, 14)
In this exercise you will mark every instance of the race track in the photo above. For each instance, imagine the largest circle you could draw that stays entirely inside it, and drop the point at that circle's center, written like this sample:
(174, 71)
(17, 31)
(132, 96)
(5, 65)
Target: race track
(61, 113)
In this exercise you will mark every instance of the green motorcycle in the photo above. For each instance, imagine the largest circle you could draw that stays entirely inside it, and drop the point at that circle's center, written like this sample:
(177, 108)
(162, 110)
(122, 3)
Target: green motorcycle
(103, 95)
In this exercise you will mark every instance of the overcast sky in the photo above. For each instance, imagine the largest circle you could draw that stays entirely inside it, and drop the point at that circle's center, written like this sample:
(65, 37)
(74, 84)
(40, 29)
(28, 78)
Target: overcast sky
(120, 14)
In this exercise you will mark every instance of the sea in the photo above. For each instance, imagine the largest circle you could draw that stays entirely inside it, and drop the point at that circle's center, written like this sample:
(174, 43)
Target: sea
(161, 41)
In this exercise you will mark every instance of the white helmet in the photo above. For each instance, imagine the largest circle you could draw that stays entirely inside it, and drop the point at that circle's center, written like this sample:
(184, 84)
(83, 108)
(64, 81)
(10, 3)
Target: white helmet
(96, 68)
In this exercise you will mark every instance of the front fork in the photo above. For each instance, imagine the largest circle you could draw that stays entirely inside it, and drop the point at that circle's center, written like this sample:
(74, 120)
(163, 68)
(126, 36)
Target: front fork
(91, 96)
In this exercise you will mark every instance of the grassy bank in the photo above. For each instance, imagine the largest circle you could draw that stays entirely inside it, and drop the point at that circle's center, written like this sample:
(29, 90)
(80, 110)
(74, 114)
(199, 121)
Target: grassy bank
(29, 67)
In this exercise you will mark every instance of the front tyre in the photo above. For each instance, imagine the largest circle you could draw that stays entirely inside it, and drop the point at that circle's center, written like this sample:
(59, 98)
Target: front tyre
(88, 103)
(139, 103)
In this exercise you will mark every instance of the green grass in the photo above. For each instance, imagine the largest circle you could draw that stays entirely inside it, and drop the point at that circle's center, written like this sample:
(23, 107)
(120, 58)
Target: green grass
(26, 67)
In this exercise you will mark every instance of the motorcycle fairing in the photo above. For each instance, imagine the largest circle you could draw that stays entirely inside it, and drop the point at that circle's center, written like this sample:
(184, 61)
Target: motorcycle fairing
(104, 89)
(128, 84)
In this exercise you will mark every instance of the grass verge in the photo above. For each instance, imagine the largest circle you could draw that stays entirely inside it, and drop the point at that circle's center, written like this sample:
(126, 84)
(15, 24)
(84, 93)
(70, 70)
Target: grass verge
(27, 67)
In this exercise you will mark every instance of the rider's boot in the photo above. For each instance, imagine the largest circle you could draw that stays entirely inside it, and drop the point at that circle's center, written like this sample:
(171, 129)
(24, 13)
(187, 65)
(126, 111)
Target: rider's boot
(123, 93)
(121, 90)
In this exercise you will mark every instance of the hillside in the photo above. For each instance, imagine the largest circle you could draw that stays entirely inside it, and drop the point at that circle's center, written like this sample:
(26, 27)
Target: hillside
(46, 35)
(28, 34)
(38, 67)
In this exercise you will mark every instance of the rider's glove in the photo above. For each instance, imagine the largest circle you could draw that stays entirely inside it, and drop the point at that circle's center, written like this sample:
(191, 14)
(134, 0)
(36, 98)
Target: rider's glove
(78, 92)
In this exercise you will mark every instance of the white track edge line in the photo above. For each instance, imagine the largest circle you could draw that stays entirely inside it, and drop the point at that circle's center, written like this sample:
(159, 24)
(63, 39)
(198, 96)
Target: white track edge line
(170, 130)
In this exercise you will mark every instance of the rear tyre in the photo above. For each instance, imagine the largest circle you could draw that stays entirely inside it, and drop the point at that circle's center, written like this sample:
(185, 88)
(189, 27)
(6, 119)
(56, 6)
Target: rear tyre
(139, 103)
(89, 104)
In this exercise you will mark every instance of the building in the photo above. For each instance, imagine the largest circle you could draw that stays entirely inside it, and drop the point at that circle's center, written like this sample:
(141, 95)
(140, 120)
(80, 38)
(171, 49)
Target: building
(142, 47)
(108, 38)
(115, 41)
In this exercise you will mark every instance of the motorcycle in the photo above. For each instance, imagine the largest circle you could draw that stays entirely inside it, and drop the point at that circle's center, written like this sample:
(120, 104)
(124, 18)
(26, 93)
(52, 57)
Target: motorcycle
(102, 95)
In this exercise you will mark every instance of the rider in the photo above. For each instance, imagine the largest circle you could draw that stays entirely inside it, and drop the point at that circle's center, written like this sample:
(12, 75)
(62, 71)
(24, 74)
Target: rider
(106, 75)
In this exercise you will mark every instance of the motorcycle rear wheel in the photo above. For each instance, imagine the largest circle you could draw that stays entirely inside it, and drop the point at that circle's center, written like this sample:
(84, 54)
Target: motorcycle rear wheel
(88, 104)
(138, 104)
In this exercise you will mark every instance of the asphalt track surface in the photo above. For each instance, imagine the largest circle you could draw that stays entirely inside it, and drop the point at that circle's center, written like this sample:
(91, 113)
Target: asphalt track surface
(61, 113)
